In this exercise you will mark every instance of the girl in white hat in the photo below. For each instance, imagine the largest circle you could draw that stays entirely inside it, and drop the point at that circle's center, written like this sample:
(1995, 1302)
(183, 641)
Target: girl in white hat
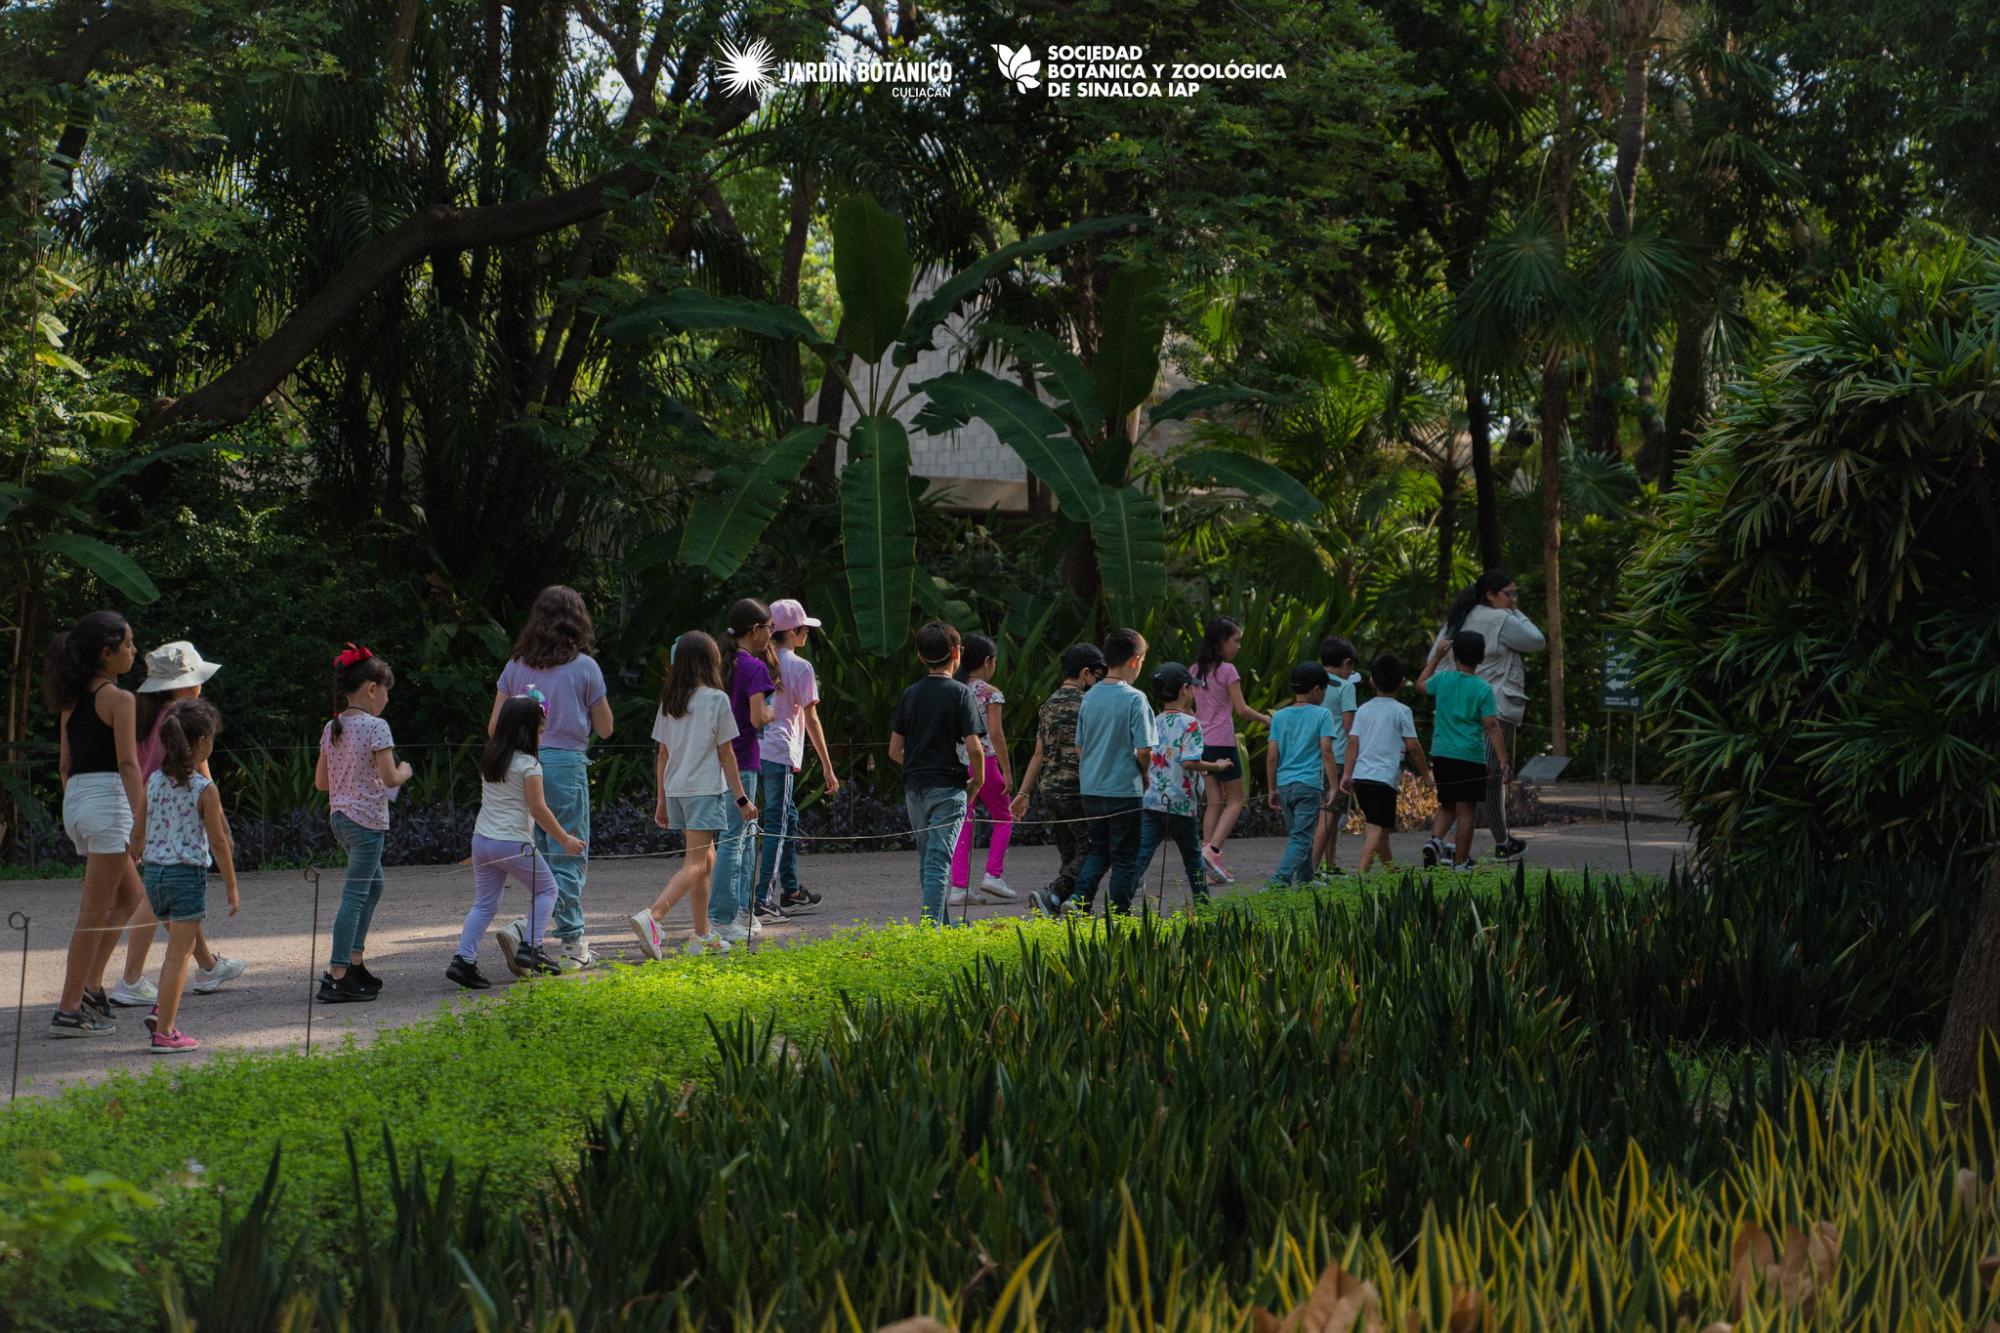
(173, 671)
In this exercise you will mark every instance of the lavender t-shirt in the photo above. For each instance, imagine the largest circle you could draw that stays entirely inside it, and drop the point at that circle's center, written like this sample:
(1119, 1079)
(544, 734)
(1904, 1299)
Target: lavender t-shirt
(752, 677)
(572, 690)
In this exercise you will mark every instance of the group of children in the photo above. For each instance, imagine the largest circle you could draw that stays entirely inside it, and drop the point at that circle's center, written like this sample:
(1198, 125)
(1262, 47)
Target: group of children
(1117, 780)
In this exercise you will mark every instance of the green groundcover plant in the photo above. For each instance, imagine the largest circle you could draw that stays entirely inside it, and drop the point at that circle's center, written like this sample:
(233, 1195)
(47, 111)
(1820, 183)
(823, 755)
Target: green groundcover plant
(1475, 1015)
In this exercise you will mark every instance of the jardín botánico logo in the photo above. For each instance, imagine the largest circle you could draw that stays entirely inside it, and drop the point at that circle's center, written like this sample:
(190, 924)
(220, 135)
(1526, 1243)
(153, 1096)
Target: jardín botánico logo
(1020, 65)
(748, 68)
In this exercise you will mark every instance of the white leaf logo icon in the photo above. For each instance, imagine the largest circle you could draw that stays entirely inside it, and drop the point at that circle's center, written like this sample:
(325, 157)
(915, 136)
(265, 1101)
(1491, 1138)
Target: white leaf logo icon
(1020, 65)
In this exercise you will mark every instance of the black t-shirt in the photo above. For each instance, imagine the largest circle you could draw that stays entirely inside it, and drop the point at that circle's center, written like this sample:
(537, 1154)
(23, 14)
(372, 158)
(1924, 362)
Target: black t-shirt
(934, 717)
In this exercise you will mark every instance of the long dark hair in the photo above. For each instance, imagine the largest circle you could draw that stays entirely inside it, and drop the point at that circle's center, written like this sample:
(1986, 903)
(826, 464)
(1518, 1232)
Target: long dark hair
(975, 652)
(350, 678)
(518, 730)
(1474, 595)
(745, 615)
(1220, 630)
(183, 723)
(76, 655)
(558, 630)
(697, 662)
(151, 706)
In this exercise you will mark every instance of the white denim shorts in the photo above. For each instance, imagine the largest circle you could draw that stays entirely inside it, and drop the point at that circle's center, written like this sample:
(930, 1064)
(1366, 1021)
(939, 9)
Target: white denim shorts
(96, 814)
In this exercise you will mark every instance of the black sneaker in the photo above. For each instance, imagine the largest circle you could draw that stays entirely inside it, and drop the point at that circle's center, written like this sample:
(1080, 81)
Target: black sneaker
(1045, 902)
(770, 912)
(97, 1002)
(1512, 847)
(533, 962)
(367, 980)
(1433, 853)
(81, 1022)
(465, 973)
(799, 899)
(344, 991)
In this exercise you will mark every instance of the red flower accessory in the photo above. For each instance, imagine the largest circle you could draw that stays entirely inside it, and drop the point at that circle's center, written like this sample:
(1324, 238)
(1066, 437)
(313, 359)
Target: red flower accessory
(351, 654)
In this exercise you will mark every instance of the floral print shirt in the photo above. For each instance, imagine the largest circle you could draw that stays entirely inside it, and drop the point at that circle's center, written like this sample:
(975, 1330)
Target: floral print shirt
(1170, 788)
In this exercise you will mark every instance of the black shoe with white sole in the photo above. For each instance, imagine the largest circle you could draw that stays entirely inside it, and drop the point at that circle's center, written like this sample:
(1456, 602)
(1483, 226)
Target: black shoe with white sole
(345, 990)
(466, 973)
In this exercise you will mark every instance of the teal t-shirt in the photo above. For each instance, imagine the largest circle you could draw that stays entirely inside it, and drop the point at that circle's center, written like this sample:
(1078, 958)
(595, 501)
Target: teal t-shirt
(1463, 699)
(1340, 702)
(1296, 731)
(1113, 724)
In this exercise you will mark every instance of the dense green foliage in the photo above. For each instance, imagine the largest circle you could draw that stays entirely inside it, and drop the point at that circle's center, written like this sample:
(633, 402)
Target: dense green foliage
(1817, 610)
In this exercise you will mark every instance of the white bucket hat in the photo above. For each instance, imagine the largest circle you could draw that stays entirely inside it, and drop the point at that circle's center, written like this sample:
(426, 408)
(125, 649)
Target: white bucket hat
(175, 666)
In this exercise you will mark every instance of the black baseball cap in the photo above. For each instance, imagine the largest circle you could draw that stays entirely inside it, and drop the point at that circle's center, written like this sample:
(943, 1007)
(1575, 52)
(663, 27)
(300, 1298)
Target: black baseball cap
(1307, 677)
(1170, 679)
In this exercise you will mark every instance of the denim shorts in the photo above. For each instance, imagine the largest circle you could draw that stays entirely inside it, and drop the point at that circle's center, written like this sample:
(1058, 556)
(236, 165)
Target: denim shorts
(708, 814)
(177, 892)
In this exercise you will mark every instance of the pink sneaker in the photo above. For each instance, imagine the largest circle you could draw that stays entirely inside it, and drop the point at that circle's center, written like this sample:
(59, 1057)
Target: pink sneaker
(173, 1041)
(1217, 873)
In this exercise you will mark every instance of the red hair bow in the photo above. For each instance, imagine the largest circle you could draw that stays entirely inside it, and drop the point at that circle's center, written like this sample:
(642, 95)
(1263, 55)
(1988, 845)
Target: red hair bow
(350, 655)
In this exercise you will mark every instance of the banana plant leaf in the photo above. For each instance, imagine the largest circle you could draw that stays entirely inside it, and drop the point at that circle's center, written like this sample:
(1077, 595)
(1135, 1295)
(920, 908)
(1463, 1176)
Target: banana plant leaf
(724, 525)
(872, 270)
(1025, 423)
(1134, 321)
(691, 308)
(1067, 378)
(1266, 483)
(878, 529)
(109, 563)
(1131, 542)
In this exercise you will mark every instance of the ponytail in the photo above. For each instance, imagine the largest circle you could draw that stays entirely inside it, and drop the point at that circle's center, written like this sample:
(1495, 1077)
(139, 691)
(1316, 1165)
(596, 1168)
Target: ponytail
(182, 725)
(745, 615)
(77, 655)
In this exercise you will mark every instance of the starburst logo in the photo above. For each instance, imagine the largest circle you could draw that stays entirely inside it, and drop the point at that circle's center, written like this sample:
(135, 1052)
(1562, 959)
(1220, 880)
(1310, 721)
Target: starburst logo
(1020, 65)
(748, 68)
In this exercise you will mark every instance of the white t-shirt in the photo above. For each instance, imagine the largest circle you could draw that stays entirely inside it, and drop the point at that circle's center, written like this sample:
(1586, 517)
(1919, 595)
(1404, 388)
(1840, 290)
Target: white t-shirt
(1380, 727)
(693, 767)
(784, 739)
(503, 806)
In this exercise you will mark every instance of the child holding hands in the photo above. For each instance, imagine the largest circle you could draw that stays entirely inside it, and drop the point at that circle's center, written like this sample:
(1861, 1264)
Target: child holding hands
(184, 822)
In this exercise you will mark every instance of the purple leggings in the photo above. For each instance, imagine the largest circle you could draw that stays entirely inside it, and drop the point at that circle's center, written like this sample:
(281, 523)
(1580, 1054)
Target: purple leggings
(494, 861)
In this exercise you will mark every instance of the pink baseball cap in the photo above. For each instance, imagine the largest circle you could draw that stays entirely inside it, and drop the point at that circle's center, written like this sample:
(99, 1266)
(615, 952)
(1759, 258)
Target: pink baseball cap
(788, 613)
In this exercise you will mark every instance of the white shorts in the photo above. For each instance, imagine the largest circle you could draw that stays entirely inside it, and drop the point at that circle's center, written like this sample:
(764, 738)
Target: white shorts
(96, 814)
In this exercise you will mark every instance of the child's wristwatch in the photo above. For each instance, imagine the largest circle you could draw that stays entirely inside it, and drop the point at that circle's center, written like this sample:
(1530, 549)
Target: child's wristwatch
(742, 800)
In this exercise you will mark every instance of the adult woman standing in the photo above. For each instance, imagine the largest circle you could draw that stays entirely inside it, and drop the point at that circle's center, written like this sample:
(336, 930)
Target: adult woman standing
(553, 655)
(104, 804)
(1490, 607)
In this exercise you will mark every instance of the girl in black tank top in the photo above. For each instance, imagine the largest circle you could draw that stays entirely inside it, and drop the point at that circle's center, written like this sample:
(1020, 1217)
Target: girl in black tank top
(92, 747)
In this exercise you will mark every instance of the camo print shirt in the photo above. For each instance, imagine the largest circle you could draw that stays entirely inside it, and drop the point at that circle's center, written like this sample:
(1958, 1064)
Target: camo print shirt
(1055, 730)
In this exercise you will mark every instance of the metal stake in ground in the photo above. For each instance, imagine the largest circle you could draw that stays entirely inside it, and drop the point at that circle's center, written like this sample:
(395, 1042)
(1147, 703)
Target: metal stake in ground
(19, 921)
(312, 873)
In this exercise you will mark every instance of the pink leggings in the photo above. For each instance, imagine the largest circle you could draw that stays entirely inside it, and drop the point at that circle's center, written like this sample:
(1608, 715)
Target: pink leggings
(993, 795)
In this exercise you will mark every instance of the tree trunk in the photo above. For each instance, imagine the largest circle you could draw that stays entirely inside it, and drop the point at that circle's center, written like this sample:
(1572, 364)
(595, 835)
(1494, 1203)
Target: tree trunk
(1479, 421)
(1555, 428)
(1447, 524)
(1975, 998)
(1687, 396)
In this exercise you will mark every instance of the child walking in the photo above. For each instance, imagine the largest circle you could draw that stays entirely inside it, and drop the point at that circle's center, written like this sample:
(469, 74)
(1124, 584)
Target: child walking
(1114, 741)
(357, 770)
(700, 788)
(553, 656)
(747, 667)
(1052, 769)
(1173, 786)
(1384, 733)
(934, 735)
(1464, 731)
(781, 753)
(511, 807)
(1337, 656)
(184, 824)
(1218, 702)
(978, 657)
(174, 671)
(1299, 768)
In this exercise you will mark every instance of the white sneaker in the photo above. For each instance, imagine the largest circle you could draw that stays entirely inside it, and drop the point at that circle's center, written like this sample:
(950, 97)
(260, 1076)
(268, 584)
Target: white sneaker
(579, 949)
(993, 886)
(648, 931)
(135, 994)
(207, 981)
(734, 932)
(711, 945)
(511, 939)
(750, 923)
(958, 897)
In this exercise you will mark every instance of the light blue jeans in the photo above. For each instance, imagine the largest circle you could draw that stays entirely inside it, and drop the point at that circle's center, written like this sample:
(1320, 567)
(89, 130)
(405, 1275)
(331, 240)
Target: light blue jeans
(735, 863)
(778, 859)
(362, 890)
(566, 787)
(936, 815)
(1300, 803)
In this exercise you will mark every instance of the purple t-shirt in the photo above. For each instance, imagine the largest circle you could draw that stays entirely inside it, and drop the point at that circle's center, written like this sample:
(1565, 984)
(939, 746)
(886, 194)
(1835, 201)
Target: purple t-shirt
(572, 690)
(752, 677)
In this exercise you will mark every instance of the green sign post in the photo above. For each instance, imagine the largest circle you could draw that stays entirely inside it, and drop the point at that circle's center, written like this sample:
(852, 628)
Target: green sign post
(1616, 693)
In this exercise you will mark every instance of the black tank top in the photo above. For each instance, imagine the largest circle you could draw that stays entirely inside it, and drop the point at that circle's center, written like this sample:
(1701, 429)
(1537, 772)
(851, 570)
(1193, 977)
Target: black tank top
(92, 747)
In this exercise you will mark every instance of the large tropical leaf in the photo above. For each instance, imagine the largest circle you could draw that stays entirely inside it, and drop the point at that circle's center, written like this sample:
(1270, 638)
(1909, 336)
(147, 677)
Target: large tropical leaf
(692, 308)
(872, 268)
(1131, 543)
(1522, 288)
(106, 561)
(1027, 425)
(930, 312)
(105, 479)
(1182, 403)
(1271, 486)
(1068, 378)
(878, 527)
(1134, 323)
(724, 524)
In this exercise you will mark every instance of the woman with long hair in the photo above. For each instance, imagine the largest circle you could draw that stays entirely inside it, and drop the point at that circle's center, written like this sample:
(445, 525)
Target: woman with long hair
(1490, 607)
(553, 656)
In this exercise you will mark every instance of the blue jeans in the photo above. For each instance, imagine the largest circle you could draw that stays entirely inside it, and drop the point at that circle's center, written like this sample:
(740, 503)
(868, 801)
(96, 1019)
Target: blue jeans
(944, 808)
(735, 862)
(778, 858)
(362, 890)
(1113, 833)
(566, 787)
(1156, 827)
(1300, 803)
